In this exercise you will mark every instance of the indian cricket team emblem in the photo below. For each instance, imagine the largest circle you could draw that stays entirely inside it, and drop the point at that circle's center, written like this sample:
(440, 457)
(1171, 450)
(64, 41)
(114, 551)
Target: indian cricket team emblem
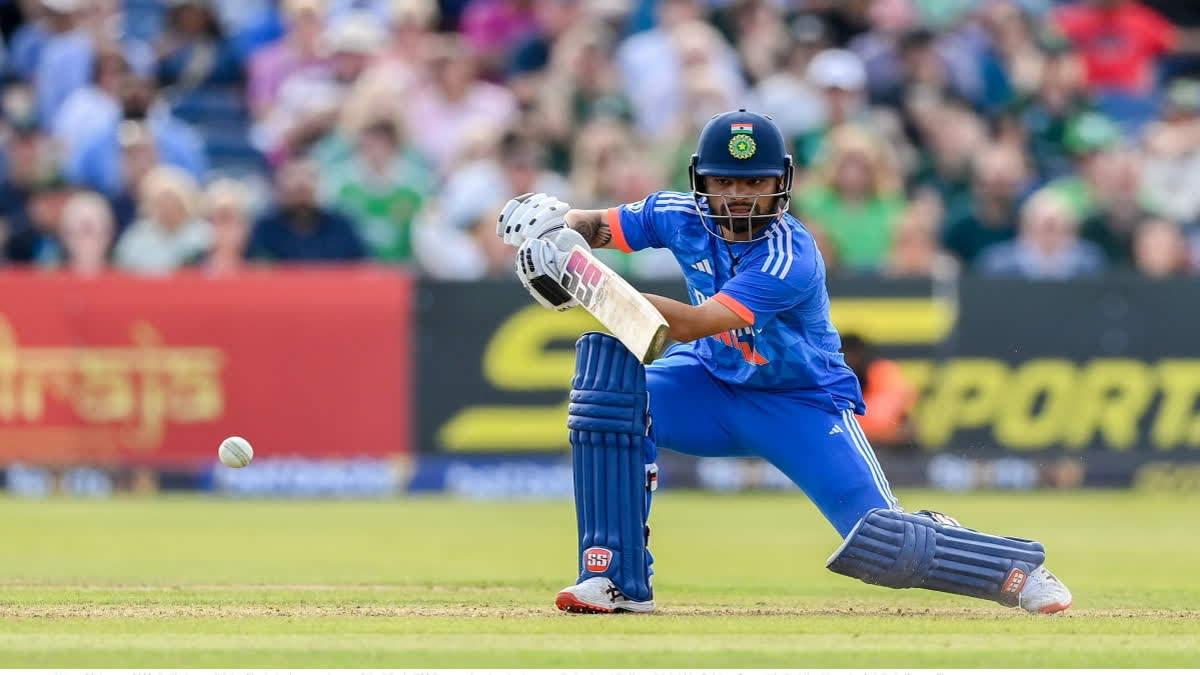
(742, 146)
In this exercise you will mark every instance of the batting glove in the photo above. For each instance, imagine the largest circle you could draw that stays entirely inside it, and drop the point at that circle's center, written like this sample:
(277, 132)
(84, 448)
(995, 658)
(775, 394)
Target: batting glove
(539, 267)
(531, 216)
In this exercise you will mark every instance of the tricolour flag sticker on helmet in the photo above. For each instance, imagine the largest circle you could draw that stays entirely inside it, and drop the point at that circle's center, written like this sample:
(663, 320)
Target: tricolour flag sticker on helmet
(741, 128)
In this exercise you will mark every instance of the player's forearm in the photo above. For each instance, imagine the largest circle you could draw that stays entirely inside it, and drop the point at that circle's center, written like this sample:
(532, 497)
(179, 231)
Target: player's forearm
(692, 322)
(593, 225)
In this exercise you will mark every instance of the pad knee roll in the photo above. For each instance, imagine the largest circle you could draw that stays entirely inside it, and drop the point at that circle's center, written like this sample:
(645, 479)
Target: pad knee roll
(607, 421)
(908, 550)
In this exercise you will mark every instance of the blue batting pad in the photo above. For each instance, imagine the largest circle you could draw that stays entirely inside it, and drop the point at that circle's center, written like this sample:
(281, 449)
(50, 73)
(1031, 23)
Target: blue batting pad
(608, 417)
(908, 550)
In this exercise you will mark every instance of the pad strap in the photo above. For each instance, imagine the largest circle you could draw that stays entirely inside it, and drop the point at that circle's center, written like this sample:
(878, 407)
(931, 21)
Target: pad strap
(607, 418)
(915, 550)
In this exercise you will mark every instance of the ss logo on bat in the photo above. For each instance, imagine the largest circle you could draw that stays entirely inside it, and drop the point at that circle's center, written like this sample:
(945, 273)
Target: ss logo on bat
(581, 278)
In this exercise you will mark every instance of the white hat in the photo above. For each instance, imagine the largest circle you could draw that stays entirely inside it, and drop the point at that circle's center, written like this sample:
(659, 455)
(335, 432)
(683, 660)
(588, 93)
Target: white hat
(358, 32)
(838, 68)
(63, 6)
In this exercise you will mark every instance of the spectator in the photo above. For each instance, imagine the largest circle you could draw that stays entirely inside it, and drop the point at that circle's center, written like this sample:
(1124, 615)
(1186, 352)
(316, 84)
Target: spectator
(998, 176)
(855, 199)
(516, 165)
(86, 231)
(97, 161)
(94, 109)
(882, 50)
(1013, 61)
(579, 86)
(138, 157)
(455, 100)
(660, 57)
(310, 99)
(1042, 119)
(1105, 190)
(554, 19)
(1047, 247)
(1171, 167)
(33, 232)
(169, 232)
(1159, 249)
(493, 28)
(227, 207)
(299, 48)
(299, 229)
(64, 61)
(30, 158)
(758, 33)
(922, 71)
(951, 133)
(381, 188)
(840, 77)
(402, 63)
(1121, 41)
(193, 51)
(1119, 207)
(916, 250)
(672, 150)
(600, 148)
(1185, 17)
(788, 95)
(498, 260)
(889, 397)
(28, 40)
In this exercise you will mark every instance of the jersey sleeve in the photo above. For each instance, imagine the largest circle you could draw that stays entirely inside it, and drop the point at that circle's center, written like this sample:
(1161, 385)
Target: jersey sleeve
(649, 223)
(771, 284)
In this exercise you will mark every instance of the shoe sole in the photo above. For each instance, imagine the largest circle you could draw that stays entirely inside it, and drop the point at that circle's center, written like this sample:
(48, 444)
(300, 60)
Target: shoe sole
(567, 602)
(1056, 607)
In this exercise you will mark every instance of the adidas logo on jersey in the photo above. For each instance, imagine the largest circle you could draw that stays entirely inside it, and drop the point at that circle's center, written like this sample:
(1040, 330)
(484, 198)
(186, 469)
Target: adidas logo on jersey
(703, 266)
(835, 430)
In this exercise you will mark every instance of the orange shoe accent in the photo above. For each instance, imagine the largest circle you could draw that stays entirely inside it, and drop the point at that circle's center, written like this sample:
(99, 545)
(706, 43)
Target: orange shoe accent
(567, 602)
(1055, 608)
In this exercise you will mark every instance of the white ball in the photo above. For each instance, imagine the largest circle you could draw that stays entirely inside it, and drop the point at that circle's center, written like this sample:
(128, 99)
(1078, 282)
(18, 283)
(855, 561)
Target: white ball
(235, 452)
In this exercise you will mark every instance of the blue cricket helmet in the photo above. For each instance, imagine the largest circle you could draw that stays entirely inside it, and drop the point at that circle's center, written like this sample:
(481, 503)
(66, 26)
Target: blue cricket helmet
(742, 144)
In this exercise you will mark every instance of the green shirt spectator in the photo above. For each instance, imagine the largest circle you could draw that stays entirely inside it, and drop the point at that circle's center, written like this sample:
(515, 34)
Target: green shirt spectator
(860, 231)
(854, 200)
(1090, 139)
(381, 187)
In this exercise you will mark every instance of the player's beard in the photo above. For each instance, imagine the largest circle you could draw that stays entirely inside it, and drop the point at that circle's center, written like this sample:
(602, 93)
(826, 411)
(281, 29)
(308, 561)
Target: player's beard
(742, 218)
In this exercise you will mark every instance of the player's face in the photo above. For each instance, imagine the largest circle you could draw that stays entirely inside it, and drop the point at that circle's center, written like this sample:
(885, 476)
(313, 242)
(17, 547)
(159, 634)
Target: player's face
(743, 205)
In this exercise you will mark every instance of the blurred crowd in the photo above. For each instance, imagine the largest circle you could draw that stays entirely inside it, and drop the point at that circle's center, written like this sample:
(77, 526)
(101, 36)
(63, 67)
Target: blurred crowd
(1017, 138)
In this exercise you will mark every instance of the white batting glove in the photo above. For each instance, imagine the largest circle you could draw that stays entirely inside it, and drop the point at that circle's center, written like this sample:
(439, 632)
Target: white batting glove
(539, 267)
(531, 216)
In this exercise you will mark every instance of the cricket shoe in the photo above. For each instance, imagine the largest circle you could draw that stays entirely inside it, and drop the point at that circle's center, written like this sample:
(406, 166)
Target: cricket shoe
(1043, 593)
(598, 595)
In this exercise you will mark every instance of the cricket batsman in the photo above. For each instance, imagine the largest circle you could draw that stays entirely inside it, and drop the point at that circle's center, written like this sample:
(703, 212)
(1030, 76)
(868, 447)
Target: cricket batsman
(756, 372)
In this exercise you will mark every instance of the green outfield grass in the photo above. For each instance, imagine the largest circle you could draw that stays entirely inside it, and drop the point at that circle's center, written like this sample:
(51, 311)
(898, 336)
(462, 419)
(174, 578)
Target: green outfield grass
(419, 583)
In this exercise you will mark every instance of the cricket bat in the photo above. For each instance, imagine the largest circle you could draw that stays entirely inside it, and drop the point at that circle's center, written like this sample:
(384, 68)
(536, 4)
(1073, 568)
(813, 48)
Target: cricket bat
(616, 304)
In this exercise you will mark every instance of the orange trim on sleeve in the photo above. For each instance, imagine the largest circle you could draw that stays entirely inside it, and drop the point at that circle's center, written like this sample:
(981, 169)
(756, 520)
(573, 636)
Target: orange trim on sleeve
(738, 308)
(614, 226)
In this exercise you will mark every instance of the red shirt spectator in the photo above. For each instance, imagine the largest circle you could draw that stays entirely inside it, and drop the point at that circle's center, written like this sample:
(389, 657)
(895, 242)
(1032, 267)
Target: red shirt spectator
(1120, 41)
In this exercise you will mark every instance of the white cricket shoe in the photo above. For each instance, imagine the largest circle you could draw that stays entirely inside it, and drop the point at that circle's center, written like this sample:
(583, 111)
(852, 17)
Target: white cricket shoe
(598, 595)
(1043, 593)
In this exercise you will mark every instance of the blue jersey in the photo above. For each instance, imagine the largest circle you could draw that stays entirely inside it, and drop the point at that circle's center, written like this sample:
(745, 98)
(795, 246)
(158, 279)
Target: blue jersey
(777, 284)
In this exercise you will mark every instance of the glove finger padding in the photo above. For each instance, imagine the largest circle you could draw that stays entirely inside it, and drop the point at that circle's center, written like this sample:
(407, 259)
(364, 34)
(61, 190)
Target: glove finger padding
(504, 222)
(538, 269)
(533, 218)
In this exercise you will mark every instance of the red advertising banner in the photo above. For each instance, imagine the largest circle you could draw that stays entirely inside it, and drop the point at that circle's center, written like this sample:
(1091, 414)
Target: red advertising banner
(156, 372)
